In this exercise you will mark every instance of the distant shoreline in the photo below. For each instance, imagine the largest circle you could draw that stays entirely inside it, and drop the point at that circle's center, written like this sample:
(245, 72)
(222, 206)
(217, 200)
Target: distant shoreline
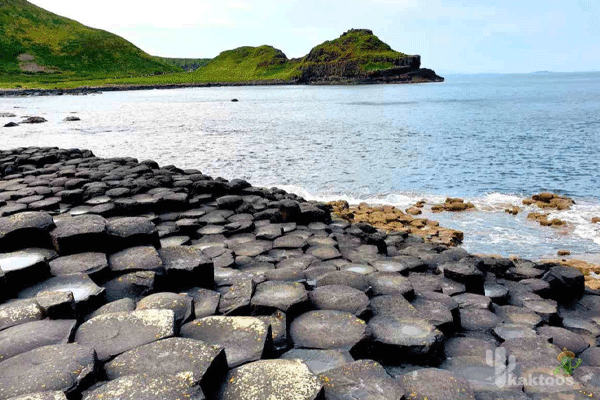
(84, 90)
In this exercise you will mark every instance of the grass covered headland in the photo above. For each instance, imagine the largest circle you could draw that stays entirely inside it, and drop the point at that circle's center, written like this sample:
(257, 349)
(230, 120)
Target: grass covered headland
(40, 49)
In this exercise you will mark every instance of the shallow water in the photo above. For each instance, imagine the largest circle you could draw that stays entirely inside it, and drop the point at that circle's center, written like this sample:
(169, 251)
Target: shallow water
(491, 139)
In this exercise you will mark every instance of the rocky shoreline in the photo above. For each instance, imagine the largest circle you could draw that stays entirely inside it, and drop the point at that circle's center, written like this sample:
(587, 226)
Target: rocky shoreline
(420, 76)
(125, 279)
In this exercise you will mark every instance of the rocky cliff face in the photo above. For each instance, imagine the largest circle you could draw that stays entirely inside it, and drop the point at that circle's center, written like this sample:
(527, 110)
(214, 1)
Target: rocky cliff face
(360, 56)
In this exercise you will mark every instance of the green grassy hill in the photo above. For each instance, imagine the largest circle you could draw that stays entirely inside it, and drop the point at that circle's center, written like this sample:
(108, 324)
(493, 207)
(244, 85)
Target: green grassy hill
(34, 41)
(186, 64)
(247, 64)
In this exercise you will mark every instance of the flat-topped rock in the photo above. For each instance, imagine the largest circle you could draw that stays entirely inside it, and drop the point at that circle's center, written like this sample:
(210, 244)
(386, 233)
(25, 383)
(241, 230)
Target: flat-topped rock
(319, 361)
(472, 300)
(86, 293)
(31, 335)
(114, 333)
(82, 263)
(171, 356)
(85, 233)
(364, 379)
(590, 357)
(132, 231)
(561, 338)
(478, 319)
(397, 339)
(187, 266)
(19, 312)
(251, 248)
(57, 367)
(435, 384)
(122, 305)
(141, 258)
(245, 339)
(284, 296)
(328, 329)
(180, 304)
(390, 283)
(236, 299)
(25, 229)
(536, 350)
(324, 252)
(25, 267)
(206, 302)
(340, 298)
(346, 278)
(273, 380)
(149, 387)
(134, 285)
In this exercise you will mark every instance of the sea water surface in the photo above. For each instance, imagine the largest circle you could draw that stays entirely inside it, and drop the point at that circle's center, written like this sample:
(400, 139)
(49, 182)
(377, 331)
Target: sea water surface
(491, 139)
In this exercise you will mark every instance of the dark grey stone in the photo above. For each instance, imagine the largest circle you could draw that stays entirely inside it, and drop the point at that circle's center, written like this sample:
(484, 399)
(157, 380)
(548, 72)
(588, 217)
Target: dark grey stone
(288, 297)
(132, 231)
(171, 356)
(364, 379)
(436, 384)
(141, 258)
(273, 380)
(31, 335)
(57, 367)
(114, 333)
(340, 298)
(245, 339)
(134, 285)
(319, 361)
(328, 329)
(153, 387)
(93, 264)
(25, 229)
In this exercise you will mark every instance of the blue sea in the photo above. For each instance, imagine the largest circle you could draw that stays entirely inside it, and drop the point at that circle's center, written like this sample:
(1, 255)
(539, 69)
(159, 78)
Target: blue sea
(490, 139)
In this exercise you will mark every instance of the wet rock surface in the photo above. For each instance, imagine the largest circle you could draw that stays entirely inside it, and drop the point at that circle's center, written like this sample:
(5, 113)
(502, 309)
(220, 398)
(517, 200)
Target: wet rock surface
(132, 280)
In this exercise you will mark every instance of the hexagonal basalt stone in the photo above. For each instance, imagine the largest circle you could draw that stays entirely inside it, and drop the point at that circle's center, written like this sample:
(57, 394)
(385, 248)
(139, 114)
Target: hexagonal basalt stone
(319, 361)
(134, 285)
(346, 278)
(171, 356)
(562, 337)
(390, 283)
(340, 298)
(390, 265)
(545, 308)
(132, 231)
(187, 267)
(396, 340)
(514, 331)
(478, 319)
(498, 293)
(180, 304)
(206, 302)
(251, 248)
(236, 298)
(278, 323)
(244, 338)
(148, 387)
(466, 273)
(19, 312)
(85, 233)
(86, 294)
(437, 314)
(57, 367)
(324, 252)
(288, 297)
(364, 379)
(471, 300)
(328, 329)
(518, 315)
(273, 380)
(122, 305)
(566, 283)
(394, 305)
(435, 384)
(93, 264)
(142, 258)
(22, 338)
(291, 241)
(26, 229)
(590, 357)
(467, 347)
(114, 333)
(535, 350)
(25, 267)
(425, 282)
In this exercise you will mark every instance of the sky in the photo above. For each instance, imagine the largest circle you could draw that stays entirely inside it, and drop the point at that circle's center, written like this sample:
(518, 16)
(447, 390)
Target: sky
(451, 36)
